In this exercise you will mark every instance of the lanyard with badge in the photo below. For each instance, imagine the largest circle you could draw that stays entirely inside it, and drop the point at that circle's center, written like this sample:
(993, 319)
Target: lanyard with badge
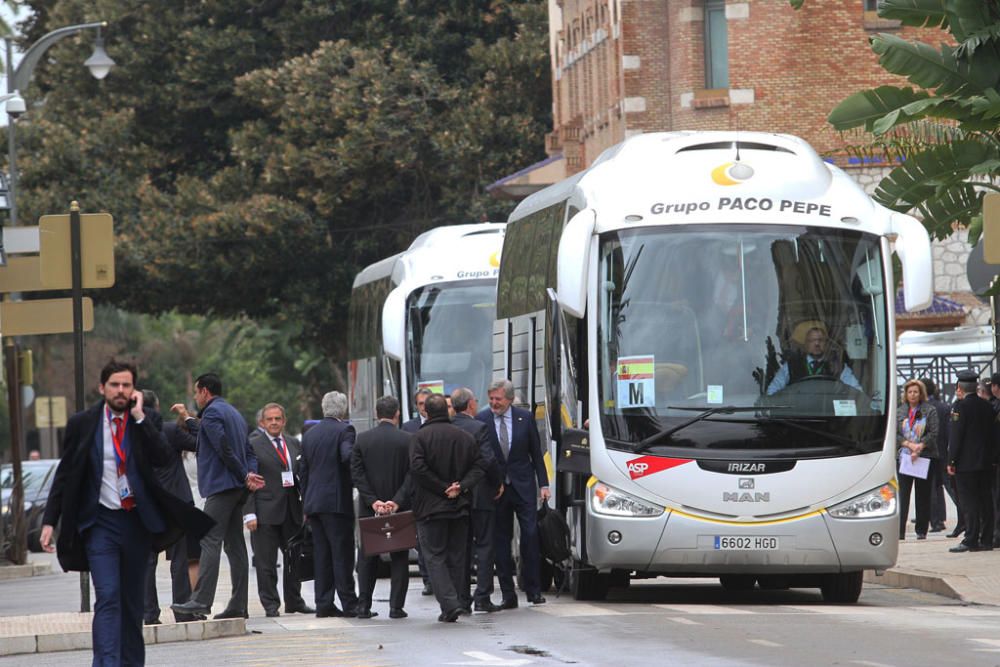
(118, 439)
(287, 480)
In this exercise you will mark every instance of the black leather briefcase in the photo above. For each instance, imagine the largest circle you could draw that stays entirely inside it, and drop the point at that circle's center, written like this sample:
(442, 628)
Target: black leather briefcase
(300, 554)
(386, 533)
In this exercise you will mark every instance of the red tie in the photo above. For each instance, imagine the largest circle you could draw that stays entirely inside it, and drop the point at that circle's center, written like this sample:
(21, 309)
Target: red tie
(117, 436)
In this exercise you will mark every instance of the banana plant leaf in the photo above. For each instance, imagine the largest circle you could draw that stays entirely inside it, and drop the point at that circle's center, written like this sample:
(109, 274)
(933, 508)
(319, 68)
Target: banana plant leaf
(936, 70)
(920, 176)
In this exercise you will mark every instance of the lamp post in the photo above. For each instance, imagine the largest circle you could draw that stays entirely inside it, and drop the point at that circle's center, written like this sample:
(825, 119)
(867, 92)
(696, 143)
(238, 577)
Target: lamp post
(18, 79)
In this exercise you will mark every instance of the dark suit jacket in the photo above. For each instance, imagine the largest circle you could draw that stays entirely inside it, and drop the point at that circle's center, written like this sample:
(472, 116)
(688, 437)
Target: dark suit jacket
(971, 442)
(271, 504)
(75, 493)
(412, 425)
(173, 477)
(380, 467)
(325, 472)
(486, 490)
(442, 454)
(224, 455)
(524, 465)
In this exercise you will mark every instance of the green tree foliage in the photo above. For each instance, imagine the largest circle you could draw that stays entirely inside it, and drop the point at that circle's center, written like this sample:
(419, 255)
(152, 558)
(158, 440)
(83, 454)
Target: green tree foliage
(257, 155)
(945, 133)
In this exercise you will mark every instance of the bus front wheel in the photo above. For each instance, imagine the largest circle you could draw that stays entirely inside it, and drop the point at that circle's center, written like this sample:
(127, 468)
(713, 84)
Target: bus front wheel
(844, 587)
(586, 583)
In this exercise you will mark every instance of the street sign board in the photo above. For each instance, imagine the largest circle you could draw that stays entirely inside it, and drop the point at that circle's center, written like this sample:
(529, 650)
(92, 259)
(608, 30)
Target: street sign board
(97, 251)
(20, 240)
(50, 411)
(22, 273)
(42, 316)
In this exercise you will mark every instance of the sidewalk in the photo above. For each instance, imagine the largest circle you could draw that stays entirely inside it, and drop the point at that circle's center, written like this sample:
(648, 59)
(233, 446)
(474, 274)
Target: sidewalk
(926, 565)
(40, 613)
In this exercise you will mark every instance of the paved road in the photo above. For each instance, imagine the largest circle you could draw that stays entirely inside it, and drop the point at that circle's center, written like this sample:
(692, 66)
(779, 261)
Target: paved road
(676, 622)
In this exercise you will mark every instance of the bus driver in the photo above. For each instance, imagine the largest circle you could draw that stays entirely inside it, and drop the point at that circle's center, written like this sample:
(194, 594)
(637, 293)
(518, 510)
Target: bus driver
(815, 362)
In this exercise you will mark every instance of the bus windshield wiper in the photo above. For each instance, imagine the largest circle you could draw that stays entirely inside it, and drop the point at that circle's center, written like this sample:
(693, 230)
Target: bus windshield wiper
(645, 443)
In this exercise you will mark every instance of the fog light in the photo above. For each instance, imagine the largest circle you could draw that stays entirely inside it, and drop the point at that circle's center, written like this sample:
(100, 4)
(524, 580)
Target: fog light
(875, 539)
(614, 537)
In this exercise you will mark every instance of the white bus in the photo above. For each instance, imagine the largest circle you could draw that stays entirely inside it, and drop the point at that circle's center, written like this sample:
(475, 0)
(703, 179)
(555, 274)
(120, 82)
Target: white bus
(691, 431)
(423, 318)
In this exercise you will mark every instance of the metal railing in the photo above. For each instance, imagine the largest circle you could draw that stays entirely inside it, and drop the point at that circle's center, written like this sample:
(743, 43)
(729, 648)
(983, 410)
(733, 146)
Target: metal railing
(944, 369)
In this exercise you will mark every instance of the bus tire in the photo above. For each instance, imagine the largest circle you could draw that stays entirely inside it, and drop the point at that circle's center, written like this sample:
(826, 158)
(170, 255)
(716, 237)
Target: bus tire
(738, 582)
(587, 583)
(843, 588)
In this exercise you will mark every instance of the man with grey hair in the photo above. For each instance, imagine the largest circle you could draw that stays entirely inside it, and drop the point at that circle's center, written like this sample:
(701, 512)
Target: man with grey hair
(325, 476)
(514, 434)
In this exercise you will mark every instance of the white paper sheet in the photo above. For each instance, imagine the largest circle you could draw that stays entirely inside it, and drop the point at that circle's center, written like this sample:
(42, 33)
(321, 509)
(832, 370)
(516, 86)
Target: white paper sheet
(918, 468)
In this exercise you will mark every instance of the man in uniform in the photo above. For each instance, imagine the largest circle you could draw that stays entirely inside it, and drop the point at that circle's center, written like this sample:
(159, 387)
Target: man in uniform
(970, 460)
(815, 362)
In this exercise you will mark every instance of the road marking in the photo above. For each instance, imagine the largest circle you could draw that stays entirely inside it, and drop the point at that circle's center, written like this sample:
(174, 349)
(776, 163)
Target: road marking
(576, 609)
(765, 642)
(844, 610)
(682, 620)
(702, 609)
(995, 643)
(869, 663)
(482, 658)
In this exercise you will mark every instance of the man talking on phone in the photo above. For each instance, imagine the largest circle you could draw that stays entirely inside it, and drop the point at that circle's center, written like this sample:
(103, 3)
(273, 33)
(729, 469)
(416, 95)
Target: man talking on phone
(112, 510)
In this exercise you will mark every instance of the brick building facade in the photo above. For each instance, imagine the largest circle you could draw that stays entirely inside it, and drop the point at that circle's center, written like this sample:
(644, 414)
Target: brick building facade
(622, 67)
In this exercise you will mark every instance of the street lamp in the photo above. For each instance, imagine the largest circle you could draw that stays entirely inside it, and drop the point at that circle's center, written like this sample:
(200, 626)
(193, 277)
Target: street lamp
(99, 64)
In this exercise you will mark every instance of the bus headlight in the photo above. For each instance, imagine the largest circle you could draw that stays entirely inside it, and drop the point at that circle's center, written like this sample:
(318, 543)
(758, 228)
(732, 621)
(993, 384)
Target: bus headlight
(876, 503)
(608, 500)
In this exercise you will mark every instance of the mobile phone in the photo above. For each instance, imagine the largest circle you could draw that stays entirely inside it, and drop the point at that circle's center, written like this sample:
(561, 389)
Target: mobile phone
(132, 402)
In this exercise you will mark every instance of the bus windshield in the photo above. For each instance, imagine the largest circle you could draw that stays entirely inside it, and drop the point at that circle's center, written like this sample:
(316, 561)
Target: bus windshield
(449, 330)
(743, 338)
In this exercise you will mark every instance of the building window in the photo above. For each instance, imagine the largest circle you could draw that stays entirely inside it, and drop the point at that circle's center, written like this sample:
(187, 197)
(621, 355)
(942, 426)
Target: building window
(716, 45)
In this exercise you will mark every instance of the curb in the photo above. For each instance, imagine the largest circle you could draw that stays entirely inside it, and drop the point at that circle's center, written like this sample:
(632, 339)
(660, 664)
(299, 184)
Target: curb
(8, 572)
(152, 634)
(907, 579)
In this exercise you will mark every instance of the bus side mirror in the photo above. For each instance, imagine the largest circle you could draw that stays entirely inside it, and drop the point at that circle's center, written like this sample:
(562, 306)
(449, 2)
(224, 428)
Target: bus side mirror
(574, 262)
(394, 324)
(914, 249)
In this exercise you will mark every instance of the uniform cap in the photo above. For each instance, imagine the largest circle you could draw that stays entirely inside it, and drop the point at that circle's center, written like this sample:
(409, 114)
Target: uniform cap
(995, 378)
(968, 376)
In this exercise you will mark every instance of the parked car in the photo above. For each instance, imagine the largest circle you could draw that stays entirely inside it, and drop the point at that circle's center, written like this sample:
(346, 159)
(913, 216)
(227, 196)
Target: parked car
(37, 477)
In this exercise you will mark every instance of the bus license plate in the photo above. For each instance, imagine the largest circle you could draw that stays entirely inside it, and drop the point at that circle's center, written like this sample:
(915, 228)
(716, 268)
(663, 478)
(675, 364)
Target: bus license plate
(745, 543)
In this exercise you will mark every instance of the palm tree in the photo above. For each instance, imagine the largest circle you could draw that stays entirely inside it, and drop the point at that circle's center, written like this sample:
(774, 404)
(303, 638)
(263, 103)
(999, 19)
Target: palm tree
(944, 133)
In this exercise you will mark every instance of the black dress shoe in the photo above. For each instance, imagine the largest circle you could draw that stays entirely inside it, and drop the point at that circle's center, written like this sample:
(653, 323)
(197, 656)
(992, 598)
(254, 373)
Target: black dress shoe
(983, 548)
(331, 612)
(509, 603)
(487, 606)
(427, 590)
(961, 548)
(537, 598)
(299, 609)
(465, 610)
(450, 616)
(397, 613)
(231, 613)
(191, 607)
(152, 621)
(956, 533)
(350, 612)
(272, 613)
(921, 536)
(937, 528)
(367, 613)
(187, 618)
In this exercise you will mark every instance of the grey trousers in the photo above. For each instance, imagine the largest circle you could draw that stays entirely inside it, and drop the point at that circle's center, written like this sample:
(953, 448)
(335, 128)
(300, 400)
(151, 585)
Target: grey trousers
(226, 509)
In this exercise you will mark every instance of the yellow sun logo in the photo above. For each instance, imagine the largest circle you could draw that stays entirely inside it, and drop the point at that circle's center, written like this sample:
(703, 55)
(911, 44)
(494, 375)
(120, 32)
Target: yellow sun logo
(732, 173)
(495, 259)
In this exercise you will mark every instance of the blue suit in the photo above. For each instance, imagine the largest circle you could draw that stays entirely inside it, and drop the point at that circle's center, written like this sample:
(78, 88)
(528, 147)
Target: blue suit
(114, 544)
(327, 499)
(524, 472)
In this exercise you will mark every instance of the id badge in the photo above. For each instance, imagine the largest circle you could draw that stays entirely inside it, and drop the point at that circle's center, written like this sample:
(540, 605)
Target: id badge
(287, 479)
(124, 490)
